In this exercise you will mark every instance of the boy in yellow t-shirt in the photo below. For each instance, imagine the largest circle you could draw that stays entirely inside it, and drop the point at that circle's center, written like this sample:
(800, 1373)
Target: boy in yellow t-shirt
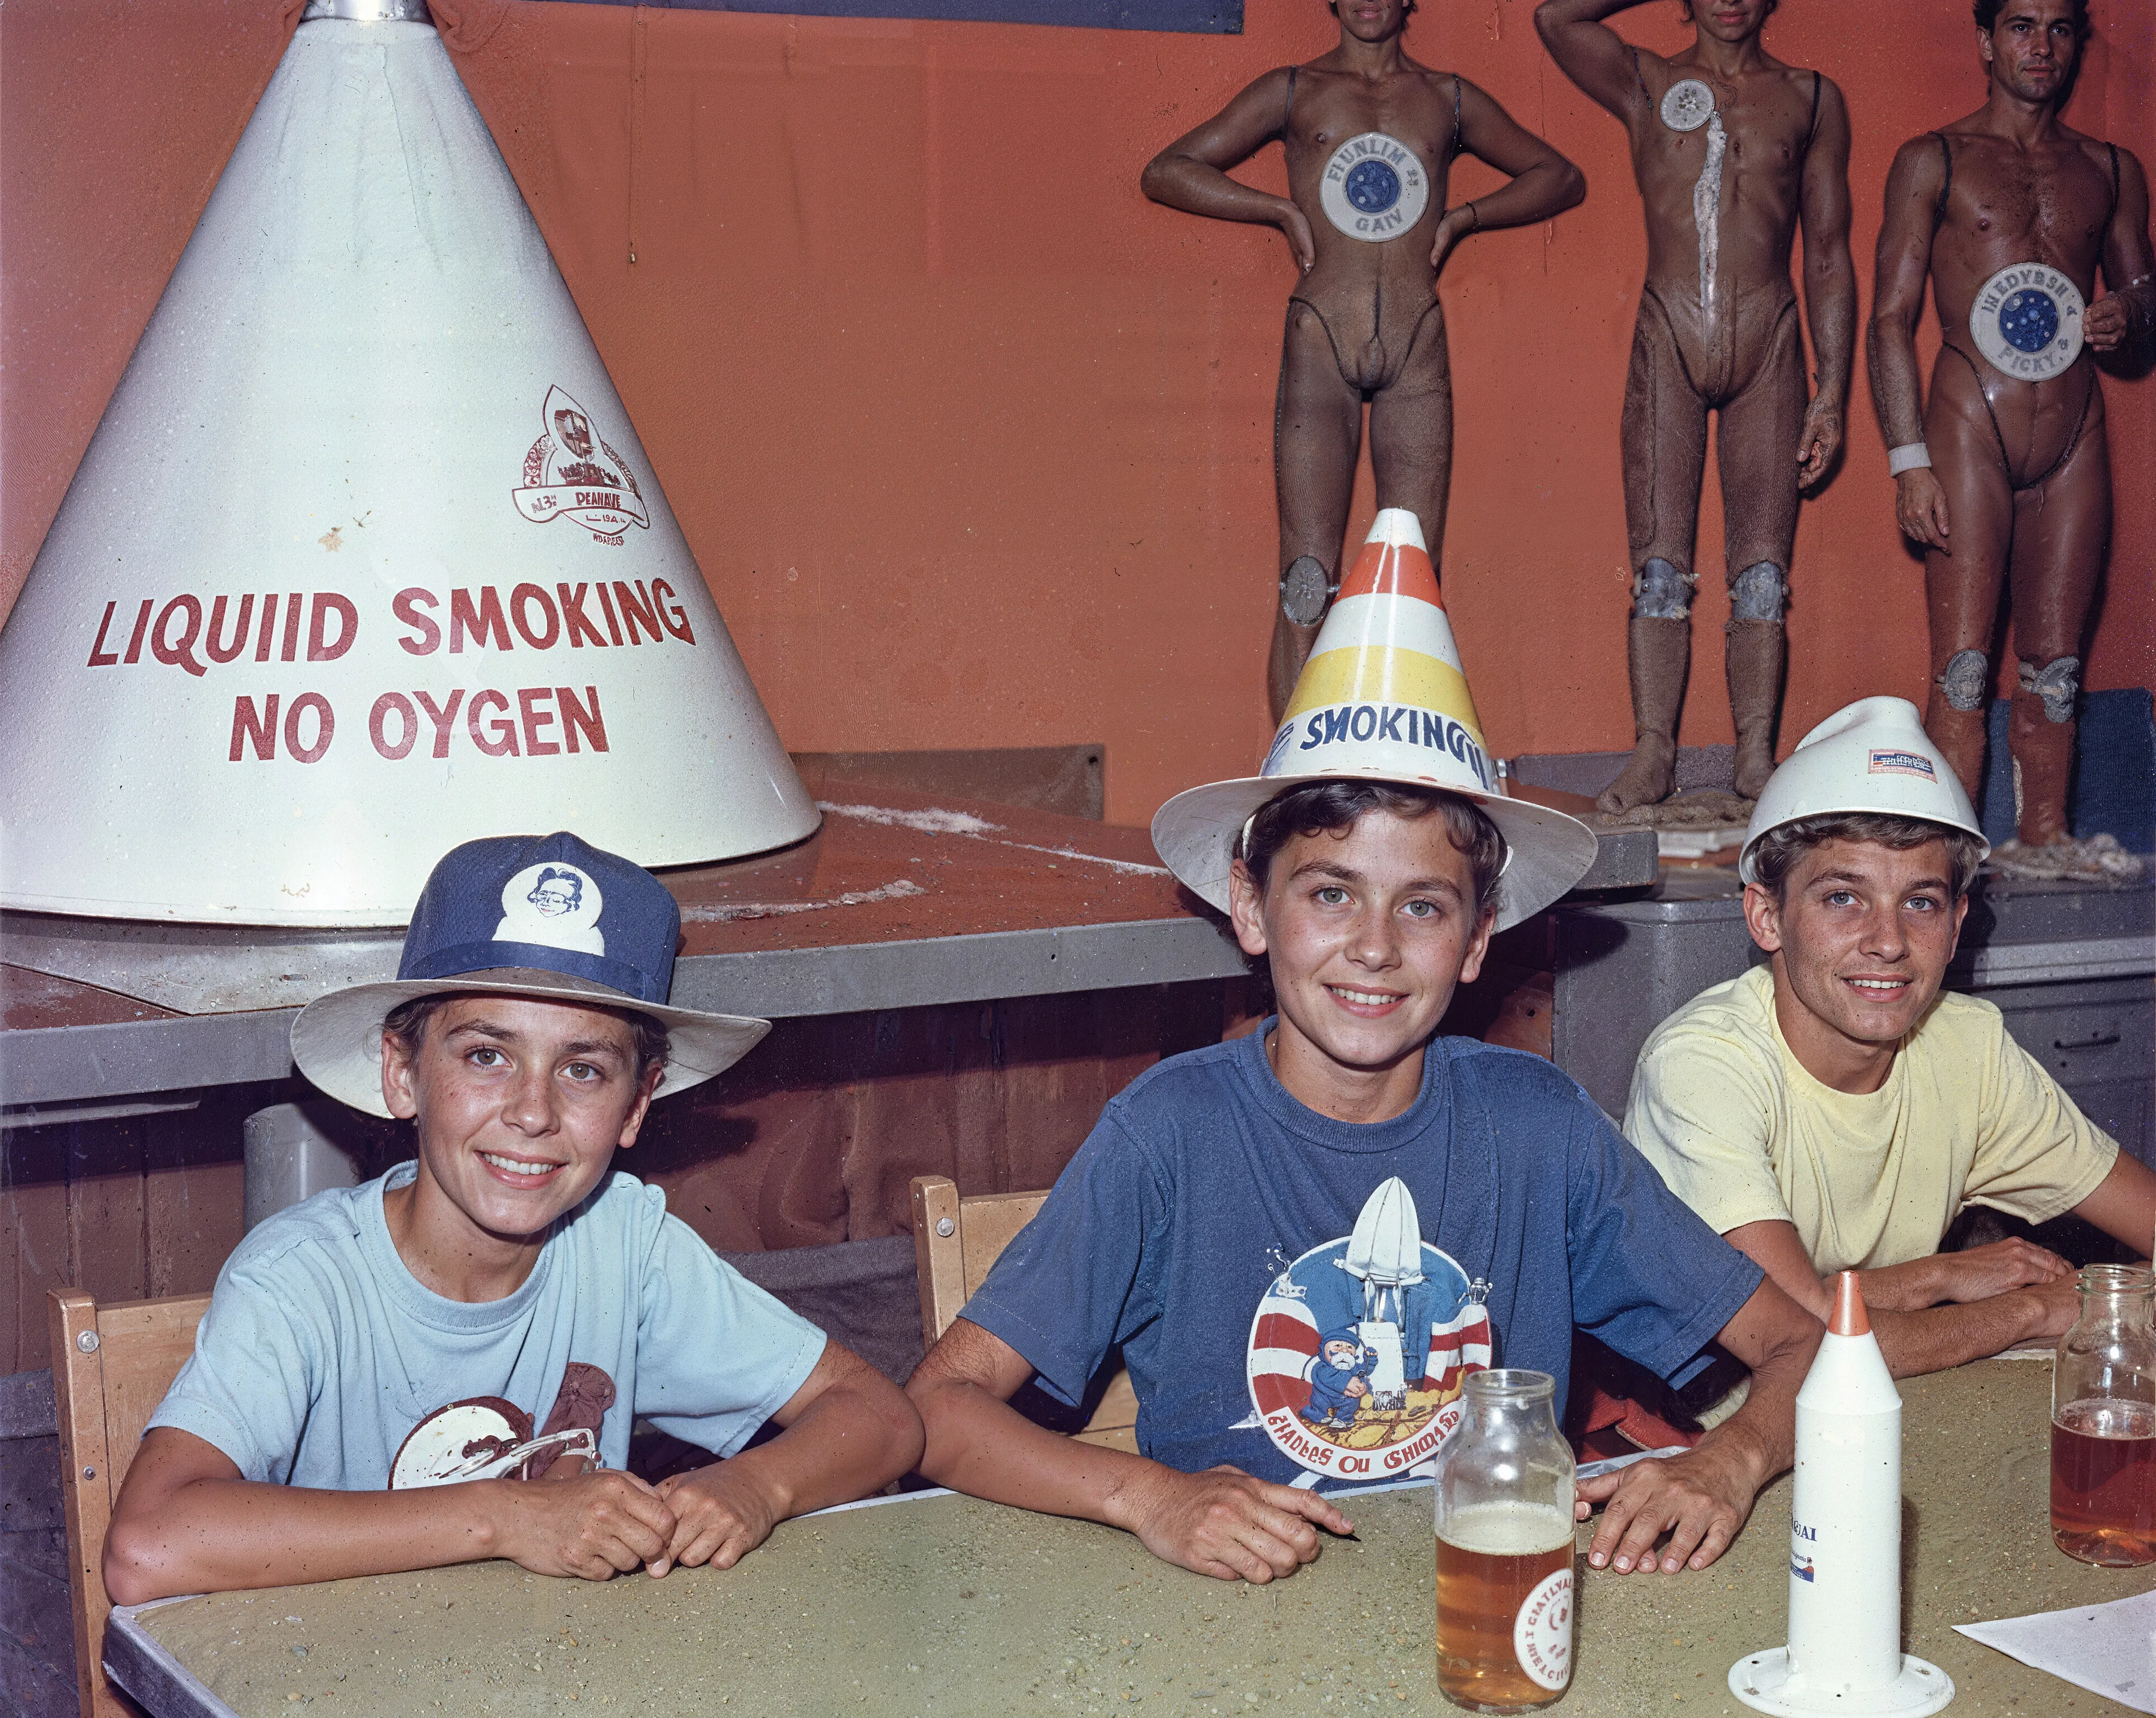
(1833, 1110)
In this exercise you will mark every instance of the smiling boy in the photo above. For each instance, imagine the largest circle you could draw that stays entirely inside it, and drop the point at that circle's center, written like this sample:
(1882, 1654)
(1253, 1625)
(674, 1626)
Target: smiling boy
(1835, 1109)
(443, 1365)
(1344, 1184)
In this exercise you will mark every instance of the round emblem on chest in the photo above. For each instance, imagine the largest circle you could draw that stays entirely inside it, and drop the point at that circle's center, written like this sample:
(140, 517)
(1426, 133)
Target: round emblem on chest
(2026, 321)
(1687, 106)
(1373, 187)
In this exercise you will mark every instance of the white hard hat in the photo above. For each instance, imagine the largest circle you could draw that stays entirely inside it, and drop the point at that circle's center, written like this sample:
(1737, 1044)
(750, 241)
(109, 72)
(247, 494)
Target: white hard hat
(1872, 756)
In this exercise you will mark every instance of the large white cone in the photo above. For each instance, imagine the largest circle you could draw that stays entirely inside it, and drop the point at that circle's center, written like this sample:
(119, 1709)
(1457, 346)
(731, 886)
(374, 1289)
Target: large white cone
(367, 399)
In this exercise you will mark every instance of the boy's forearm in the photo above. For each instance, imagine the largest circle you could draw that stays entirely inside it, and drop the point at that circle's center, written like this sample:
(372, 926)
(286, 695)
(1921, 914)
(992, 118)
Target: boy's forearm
(1936, 1337)
(985, 1447)
(218, 1534)
(854, 1439)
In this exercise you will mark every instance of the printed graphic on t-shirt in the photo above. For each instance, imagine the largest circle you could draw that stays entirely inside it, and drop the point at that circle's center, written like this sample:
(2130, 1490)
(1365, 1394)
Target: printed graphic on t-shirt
(490, 1437)
(1358, 1348)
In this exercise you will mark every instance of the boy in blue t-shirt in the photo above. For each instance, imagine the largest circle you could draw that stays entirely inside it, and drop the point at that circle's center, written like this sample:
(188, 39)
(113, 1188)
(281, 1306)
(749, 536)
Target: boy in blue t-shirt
(1301, 1240)
(444, 1365)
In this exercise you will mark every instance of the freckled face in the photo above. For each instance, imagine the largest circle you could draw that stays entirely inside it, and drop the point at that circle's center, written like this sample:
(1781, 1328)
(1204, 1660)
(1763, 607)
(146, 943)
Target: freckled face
(1864, 933)
(1368, 933)
(521, 1104)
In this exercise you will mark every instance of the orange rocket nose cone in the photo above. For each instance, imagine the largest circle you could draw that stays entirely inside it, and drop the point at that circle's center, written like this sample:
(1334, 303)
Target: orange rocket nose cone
(1850, 1318)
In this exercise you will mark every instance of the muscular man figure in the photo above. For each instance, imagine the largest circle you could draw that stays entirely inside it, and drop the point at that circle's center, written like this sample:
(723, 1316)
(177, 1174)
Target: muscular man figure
(1370, 137)
(1730, 149)
(2007, 471)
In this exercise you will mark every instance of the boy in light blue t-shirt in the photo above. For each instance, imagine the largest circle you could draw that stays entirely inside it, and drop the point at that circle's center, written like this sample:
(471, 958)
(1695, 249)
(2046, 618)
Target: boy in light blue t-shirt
(385, 1372)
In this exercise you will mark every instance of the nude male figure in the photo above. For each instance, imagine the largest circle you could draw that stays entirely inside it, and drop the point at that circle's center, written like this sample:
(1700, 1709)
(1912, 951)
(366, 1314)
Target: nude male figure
(1733, 150)
(2005, 474)
(1371, 138)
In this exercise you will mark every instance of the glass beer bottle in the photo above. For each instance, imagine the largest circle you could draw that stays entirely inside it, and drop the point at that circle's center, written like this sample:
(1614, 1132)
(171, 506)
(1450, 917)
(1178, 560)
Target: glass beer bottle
(2103, 1422)
(1505, 1548)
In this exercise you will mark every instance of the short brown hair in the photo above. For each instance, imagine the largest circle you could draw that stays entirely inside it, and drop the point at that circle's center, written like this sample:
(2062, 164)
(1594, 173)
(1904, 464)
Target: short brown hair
(1781, 846)
(406, 1024)
(1335, 807)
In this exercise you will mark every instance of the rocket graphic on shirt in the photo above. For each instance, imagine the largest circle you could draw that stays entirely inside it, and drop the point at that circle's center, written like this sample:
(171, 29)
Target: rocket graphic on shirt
(1357, 1349)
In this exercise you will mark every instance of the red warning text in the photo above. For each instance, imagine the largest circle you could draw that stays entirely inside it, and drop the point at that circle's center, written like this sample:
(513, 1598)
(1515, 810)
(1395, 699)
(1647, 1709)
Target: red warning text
(600, 615)
(533, 721)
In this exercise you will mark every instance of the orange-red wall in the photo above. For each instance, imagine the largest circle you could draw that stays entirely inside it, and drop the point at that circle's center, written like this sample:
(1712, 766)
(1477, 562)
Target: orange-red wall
(974, 443)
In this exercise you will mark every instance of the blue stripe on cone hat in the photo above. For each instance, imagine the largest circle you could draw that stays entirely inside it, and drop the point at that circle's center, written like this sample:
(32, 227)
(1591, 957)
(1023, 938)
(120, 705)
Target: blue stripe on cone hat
(1383, 698)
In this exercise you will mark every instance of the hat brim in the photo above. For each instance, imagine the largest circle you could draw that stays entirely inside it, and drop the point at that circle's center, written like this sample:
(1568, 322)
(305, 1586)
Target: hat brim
(1547, 853)
(336, 1040)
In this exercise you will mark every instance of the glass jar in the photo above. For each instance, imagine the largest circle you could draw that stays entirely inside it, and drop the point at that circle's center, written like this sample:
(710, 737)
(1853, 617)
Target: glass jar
(1505, 1548)
(2103, 1422)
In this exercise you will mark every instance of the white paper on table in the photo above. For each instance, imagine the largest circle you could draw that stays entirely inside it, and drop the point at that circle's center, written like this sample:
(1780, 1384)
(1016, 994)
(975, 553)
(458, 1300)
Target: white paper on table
(2108, 1649)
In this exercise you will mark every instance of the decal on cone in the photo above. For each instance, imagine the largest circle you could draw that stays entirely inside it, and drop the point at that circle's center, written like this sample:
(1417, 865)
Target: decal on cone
(1382, 697)
(319, 606)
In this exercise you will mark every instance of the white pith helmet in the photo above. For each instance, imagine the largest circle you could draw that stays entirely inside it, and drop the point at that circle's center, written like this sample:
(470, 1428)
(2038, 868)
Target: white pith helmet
(1871, 755)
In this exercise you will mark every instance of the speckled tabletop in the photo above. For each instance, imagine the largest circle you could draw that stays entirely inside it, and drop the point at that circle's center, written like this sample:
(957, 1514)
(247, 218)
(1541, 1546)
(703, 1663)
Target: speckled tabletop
(948, 1606)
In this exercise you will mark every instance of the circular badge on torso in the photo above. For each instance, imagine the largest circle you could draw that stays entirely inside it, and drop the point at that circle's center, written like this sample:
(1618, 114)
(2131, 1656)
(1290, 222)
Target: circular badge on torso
(1687, 106)
(1373, 187)
(2027, 321)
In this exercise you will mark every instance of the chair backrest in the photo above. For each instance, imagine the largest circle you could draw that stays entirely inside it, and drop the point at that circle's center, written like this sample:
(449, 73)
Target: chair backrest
(955, 1241)
(111, 1366)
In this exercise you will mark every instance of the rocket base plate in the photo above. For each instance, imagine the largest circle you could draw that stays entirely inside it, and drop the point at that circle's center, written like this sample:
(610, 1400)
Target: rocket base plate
(1765, 1682)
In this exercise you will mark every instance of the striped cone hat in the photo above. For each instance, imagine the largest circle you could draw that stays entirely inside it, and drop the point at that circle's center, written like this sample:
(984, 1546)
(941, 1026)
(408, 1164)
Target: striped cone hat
(1383, 698)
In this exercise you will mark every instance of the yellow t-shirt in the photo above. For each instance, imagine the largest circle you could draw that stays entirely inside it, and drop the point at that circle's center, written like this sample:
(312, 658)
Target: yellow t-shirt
(1743, 1134)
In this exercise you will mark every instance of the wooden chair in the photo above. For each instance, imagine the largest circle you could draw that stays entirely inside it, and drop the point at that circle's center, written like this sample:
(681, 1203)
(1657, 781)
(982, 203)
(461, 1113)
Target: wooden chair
(111, 1366)
(955, 1241)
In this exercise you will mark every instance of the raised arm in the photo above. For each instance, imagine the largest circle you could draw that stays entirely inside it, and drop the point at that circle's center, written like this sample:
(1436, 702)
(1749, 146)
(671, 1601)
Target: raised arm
(1914, 185)
(1543, 183)
(1592, 54)
(1222, 1522)
(1191, 174)
(188, 1522)
(848, 1431)
(1830, 283)
(2127, 311)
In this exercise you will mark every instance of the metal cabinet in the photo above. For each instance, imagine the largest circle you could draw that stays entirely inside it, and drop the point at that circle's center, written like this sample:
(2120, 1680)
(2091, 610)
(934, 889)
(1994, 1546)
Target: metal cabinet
(2072, 967)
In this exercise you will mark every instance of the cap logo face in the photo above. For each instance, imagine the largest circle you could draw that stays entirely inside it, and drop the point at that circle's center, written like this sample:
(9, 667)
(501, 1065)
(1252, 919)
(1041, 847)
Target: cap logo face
(554, 905)
(1902, 763)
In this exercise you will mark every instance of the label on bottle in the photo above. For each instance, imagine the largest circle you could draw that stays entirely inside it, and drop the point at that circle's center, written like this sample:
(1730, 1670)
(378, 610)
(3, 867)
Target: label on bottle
(1541, 1634)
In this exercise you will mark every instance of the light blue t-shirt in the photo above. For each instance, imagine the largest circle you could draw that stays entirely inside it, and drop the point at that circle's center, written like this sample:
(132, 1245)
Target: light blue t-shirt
(320, 1352)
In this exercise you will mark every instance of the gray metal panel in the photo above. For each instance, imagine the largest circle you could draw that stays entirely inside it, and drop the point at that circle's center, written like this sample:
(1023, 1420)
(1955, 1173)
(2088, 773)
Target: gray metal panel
(1623, 968)
(70, 1063)
(165, 1687)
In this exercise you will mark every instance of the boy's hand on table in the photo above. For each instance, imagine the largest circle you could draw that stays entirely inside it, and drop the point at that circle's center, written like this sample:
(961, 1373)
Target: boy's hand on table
(721, 1514)
(1224, 1523)
(1699, 1499)
(595, 1526)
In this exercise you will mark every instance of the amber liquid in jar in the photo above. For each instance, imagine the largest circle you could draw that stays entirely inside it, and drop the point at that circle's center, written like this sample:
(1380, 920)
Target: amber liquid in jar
(2103, 1482)
(1504, 1607)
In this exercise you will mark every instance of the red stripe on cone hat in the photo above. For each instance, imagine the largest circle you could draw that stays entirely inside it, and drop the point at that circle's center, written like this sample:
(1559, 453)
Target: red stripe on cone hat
(1382, 698)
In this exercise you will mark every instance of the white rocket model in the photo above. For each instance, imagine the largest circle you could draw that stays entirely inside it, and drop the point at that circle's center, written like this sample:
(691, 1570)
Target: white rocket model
(1385, 1254)
(366, 559)
(1845, 1652)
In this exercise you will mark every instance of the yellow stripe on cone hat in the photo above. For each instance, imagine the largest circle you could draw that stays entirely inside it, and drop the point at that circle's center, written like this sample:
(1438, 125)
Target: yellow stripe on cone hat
(1383, 698)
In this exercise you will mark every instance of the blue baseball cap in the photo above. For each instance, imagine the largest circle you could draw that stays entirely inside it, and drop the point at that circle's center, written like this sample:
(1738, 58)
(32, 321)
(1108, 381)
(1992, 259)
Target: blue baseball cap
(550, 916)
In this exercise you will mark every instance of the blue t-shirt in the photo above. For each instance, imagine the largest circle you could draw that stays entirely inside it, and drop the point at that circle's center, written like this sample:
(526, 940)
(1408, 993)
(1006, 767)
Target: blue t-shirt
(1301, 1296)
(321, 1353)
